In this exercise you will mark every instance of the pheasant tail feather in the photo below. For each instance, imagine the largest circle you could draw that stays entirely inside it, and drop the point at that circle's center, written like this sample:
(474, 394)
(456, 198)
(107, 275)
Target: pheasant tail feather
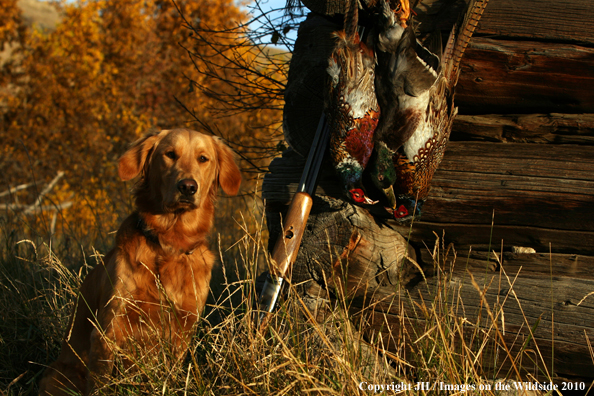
(459, 39)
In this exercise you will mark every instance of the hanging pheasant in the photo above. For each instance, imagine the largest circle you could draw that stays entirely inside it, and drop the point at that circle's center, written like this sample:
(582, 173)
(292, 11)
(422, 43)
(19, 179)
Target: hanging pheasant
(415, 90)
(389, 31)
(351, 106)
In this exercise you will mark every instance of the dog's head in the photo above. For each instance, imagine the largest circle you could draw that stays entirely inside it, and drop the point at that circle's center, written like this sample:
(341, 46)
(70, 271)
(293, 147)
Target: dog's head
(179, 169)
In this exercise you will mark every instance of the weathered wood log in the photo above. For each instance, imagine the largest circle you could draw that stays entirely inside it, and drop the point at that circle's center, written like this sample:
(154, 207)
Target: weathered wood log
(524, 184)
(525, 128)
(346, 242)
(559, 20)
(338, 232)
(503, 76)
(496, 188)
(485, 236)
(569, 21)
(547, 318)
(565, 20)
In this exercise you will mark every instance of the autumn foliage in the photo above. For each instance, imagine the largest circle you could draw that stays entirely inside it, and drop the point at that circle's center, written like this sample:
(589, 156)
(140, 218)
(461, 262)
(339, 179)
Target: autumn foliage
(73, 98)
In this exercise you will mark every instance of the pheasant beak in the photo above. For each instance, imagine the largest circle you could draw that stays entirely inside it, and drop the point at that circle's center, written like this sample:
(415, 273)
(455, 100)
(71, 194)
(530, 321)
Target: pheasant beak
(389, 192)
(369, 201)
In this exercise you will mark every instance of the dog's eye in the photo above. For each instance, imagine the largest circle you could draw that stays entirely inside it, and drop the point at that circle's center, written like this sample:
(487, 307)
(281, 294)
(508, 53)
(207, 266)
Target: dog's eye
(171, 154)
(202, 158)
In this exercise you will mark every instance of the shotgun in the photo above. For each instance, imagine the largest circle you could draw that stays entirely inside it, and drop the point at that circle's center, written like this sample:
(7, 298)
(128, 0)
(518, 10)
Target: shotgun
(286, 247)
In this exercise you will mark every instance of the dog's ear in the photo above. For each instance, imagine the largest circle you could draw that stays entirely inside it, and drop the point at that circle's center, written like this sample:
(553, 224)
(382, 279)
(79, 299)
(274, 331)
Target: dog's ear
(229, 174)
(134, 160)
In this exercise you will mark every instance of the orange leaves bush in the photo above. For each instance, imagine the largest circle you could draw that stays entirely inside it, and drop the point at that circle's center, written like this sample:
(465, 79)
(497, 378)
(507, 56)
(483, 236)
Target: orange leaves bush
(75, 97)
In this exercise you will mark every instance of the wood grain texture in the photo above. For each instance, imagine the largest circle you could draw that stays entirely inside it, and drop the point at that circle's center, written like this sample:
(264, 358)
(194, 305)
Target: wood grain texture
(562, 20)
(503, 76)
(552, 128)
(518, 171)
(285, 252)
(496, 236)
(530, 185)
(338, 233)
(569, 21)
(521, 304)
(535, 265)
(559, 20)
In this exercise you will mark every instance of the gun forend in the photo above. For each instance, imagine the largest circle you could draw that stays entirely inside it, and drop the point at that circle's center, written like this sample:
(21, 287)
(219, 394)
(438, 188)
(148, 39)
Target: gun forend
(286, 248)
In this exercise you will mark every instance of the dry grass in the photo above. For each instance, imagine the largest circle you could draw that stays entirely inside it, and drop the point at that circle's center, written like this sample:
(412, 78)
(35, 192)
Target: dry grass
(296, 355)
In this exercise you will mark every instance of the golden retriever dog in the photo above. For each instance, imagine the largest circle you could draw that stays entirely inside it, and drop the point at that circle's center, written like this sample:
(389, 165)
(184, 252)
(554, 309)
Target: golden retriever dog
(158, 274)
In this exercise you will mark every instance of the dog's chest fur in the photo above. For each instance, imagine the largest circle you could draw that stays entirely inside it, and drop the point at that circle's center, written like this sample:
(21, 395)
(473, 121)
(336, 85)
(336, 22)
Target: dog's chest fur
(185, 278)
(172, 281)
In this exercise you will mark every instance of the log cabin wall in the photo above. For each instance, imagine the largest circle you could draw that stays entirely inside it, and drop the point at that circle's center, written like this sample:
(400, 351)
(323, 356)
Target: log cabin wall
(521, 151)
(518, 171)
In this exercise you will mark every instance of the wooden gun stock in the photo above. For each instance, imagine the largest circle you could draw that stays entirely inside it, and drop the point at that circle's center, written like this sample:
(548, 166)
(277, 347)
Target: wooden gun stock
(286, 248)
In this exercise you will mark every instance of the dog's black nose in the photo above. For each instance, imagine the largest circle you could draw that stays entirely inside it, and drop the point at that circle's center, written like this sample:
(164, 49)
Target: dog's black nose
(187, 187)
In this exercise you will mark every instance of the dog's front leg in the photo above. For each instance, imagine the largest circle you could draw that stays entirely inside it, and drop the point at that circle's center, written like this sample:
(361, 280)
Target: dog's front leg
(101, 358)
(105, 340)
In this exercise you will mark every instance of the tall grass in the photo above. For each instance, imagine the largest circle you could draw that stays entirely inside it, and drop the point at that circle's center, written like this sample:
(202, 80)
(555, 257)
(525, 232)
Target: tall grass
(312, 346)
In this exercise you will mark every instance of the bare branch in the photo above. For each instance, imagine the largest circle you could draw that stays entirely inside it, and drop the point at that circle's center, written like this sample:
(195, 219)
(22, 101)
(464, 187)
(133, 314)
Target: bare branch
(27, 209)
(44, 192)
(13, 190)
